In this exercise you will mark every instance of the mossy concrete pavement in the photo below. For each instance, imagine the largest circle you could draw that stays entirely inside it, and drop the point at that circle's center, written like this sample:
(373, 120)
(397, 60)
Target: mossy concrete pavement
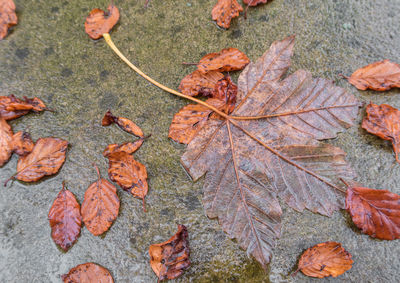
(48, 55)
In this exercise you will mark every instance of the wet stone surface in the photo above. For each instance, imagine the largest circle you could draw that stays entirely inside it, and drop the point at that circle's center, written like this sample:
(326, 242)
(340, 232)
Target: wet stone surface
(48, 55)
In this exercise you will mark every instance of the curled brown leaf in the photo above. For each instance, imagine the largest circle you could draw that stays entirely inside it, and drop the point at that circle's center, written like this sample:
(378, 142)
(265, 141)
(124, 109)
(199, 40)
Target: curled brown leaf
(12, 107)
(8, 18)
(224, 11)
(22, 143)
(99, 22)
(6, 141)
(228, 59)
(325, 259)
(380, 76)
(65, 219)
(124, 123)
(226, 91)
(100, 206)
(198, 83)
(128, 147)
(382, 121)
(88, 273)
(171, 258)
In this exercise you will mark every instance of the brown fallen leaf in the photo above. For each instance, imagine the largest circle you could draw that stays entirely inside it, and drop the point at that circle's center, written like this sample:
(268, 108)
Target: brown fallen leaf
(226, 91)
(128, 147)
(12, 107)
(6, 141)
(375, 212)
(380, 76)
(8, 18)
(268, 147)
(198, 83)
(46, 158)
(171, 258)
(22, 143)
(224, 11)
(65, 219)
(325, 259)
(88, 273)
(228, 59)
(383, 121)
(99, 22)
(129, 174)
(124, 123)
(100, 207)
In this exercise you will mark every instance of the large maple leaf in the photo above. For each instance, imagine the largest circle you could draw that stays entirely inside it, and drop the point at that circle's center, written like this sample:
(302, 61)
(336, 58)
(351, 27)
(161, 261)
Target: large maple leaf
(269, 147)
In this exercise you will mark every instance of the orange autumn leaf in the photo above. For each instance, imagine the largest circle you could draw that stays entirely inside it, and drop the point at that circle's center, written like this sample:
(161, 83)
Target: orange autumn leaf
(65, 219)
(128, 147)
(6, 141)
(46, 158)
(100, 22)
(383, 121)
(22, 143)
(228, 59)
(8, 18)
(88, 273)
(226, 91)
(171, 258)
(380, 76)
(12, 107)
(375, 212)
(124, 123)
(100, 206)
(198, 83)
(129, 174)
(325, 259)
(224, 11)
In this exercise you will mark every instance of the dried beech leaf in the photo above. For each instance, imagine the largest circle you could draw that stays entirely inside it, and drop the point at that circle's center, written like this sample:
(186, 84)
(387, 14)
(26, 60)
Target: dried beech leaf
(12, 107)
(249, 163)
(382, 75)
(99, 22)
(8, 18)
(382, 121)
(253, 3)
(171, 258)
(88, 273)
(6, 141)
(325, 259)
(100, 207)
(224, 11)
(375, 212)
(124, 123)
(46, 158)
(198, 83)
(226, 90)
(130, 174)
(22, 143)
(128, 147)
(228, 59)
(65, 219)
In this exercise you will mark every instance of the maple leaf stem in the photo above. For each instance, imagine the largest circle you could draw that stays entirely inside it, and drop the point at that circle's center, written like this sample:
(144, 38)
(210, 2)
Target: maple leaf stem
(111, 44)
(277, 153)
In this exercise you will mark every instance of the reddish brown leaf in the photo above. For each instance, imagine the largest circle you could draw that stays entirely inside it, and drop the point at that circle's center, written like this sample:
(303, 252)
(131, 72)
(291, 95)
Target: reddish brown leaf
(253, 3)
(383, 121)
(226, 91)
(65, 219)
(12, 107)
(171, 258)
(128, 147)
(228, 59)
(325, 259)
(88, 273)
(375, 212)
(124, 123)
(22, 143)
(130, 174)
(198, 83)
(100, 207)
(273, 151)
(382, 75)
(46, 158)
(99, 22)
(8, 18)
(224, 11)
(6, 141)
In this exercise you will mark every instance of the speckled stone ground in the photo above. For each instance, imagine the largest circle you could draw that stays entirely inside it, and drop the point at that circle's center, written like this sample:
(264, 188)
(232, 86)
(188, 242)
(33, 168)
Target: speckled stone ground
(48, 55)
